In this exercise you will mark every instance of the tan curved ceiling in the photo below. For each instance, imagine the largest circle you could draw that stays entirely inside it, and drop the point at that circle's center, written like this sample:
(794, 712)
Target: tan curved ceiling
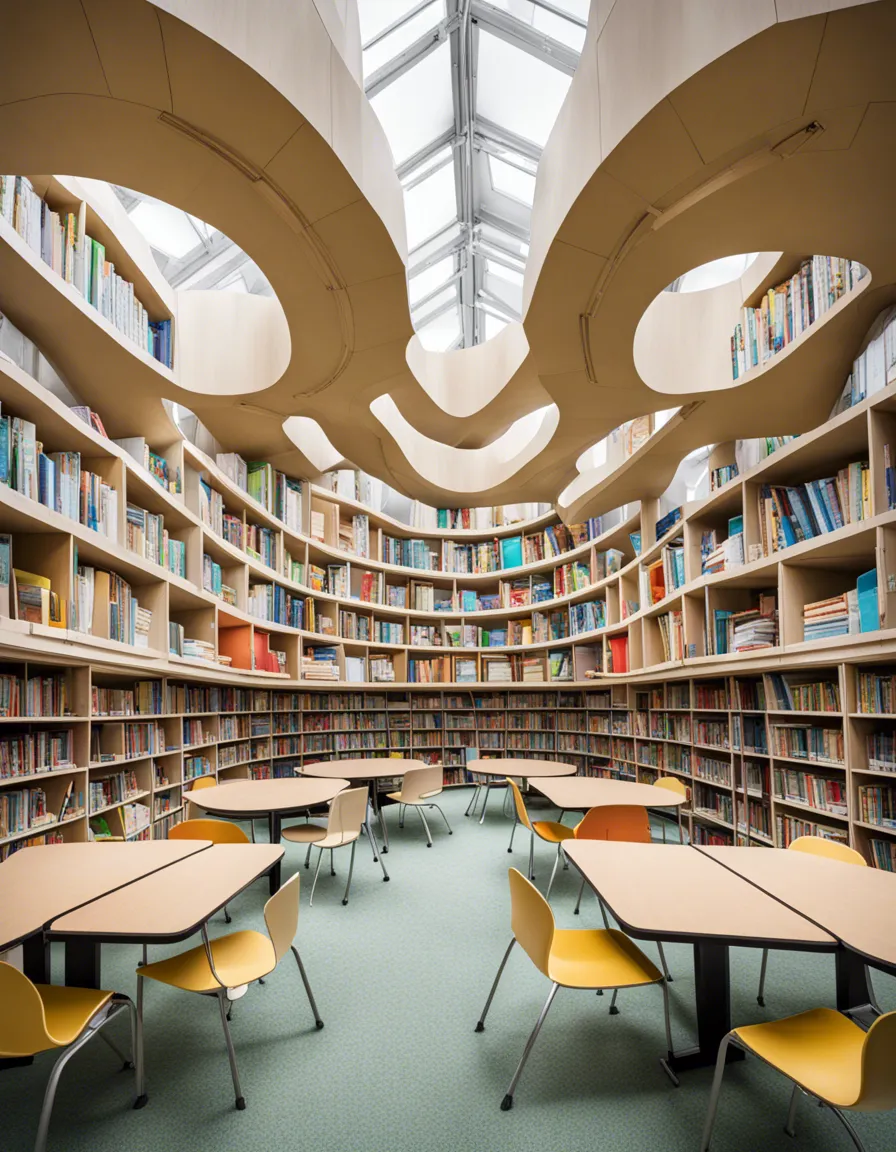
(683, 138)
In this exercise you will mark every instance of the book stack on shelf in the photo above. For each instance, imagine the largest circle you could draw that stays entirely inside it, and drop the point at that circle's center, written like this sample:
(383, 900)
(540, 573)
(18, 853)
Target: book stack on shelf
(788, 516)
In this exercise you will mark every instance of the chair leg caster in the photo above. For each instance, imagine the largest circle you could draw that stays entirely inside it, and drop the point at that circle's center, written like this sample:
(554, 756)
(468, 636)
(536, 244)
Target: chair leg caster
(141, 1101)
(614, 1011)
(228, 919)
(510, 851)
(385, 850)
(429, 845)
(128, 1066)
(600, 992)
(480, 1027)
(450, 832)
(318, 1024)
(575, 912)
(760, 1000)
(386, 879)
(261, 979)
(344, 902)
(241, 1103)
(506, 1103)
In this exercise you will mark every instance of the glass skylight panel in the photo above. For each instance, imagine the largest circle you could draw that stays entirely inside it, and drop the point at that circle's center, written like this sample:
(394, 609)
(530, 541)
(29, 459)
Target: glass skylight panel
(716, 272)
(403, 36)
(376, 15)
(511, 181)
(576, 8)
(501, 239)
(449, 296)
(517, 90)
(568, 32)
(430, 205)
(429, 279)
(442, 332)
(166, 228)
(417, 106)
(493, 324)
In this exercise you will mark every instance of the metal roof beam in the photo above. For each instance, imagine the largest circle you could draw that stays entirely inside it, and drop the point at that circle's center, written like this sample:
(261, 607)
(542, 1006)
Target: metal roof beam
(449, 136)
(406, 60)
(486, 131)
(515, 230)
(524, 36)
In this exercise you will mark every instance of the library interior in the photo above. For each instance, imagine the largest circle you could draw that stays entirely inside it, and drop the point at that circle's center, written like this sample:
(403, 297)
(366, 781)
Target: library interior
(447, 559)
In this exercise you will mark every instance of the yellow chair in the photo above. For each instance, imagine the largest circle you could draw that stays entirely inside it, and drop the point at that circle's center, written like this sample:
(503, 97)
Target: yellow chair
(827, 1057)
(345, 823)
(673, 784)
(197, 786)
(41, 1017)
(550, 831)
(830, 850)
(216, 967)
(585, 958)
(418, 787)
(218, 831)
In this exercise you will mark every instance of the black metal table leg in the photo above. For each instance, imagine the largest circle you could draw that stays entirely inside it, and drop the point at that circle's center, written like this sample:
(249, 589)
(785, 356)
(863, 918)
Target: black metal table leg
(36, 958)
(713, 995)
(852, 981)
(83, 962)
(274, 832)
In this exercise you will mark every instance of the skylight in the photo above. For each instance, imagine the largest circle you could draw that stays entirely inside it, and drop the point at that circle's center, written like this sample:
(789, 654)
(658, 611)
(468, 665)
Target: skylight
(467, 92)
(167, 229)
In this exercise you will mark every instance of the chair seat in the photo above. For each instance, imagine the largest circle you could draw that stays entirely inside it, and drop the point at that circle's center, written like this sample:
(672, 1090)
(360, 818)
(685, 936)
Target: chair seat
(820, 1049)
(598, 958)
(239, 958)
(553, 832)
(304, 833)
(421, 799)
(68, 1010)
(336, 840)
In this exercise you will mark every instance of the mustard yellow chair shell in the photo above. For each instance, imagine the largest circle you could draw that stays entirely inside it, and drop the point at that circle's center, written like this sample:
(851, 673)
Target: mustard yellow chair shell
(550, 831)
(214, 967)
(418, 787)
(582, 958)
(345, 823)
(44, 1017)
(827, 1057)
(673, 784)
(830, 850)
(218, 831)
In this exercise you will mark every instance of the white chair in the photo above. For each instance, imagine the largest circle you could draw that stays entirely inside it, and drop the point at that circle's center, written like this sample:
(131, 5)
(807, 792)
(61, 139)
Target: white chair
(345, 823)
(417, 790)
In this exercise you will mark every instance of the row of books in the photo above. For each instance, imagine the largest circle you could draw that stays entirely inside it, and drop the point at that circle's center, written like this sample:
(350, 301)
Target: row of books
(25, 754)
(165, 475)
(62, 242)
(749, 630)
(789, 515)
(105, 791)
(146, 534)
(852, 611)
(822, 792)
(720, 555)
(278, 494)
(791, 307)
(877, 804)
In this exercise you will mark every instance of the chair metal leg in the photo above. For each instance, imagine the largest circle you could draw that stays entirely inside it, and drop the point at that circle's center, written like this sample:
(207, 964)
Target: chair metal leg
(485, 802)
(664, 1064)
(137, 1053)
(853, 1135)
(438, 808)
(579, 901)
(760, 999)
(231, 1055)
(308, 992)
(603, 910)
(320, 856)
(547, 894)
(871, 997)
(308, 857)
(43, 1125)
(126, 1064)
(507, 1102)
(227, 917)
(665, 966)
(252, 829)
(471, 807)
(332, 869)
(425, 825)
(376, 858)
(513, 831)
(401, 809)
(531, 855)
(714, 1094)
(480, 1026)
(791, 1111)
(506, 802)
(614, 1011)
(351, 867)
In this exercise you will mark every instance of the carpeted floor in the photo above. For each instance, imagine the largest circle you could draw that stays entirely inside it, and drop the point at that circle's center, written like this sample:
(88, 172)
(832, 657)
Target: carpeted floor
(400, 977)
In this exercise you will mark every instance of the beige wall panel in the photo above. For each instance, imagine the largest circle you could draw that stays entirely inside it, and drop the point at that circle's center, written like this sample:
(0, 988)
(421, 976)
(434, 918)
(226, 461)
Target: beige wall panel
(229, 343)
(129, 41)
(359, 244)
(656, 156)
(380, 309)
(47, 47)
(307, 169)
(465, 381)
(855, 63)
(561, 296)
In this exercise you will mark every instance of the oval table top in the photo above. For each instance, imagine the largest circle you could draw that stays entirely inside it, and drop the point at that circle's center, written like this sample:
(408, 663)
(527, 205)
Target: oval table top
(362, 768)
(245, 797)
(520, 767)
(595, 791)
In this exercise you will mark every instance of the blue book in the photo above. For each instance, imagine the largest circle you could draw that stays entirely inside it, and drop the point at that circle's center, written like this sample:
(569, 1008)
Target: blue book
(512, 552)
(735, 525)
(468, 601)
(866, 586)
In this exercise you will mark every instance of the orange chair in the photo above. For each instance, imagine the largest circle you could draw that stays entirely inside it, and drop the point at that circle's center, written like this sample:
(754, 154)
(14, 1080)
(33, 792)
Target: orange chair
(673, 784)
(628, 822)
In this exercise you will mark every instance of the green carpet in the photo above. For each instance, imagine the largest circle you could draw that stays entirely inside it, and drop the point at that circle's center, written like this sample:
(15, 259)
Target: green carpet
(400, 977)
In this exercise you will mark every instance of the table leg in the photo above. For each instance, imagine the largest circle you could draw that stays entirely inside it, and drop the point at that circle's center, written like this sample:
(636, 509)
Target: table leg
(82, 963)
(379, 814)
(274, 832)
(713, 995)
(36, 958)
(852, 982)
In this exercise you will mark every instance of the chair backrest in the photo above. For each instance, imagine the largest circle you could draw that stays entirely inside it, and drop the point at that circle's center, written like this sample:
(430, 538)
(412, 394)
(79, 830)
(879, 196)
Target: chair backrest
(23, 1027)
(615, 822)
(878, 1090)
(672, 784)
(203, 782)
(348, 812)
(423, 781)
(521, 814)
(531, 921)
(281, 916)
(218, 831)
(820, 846)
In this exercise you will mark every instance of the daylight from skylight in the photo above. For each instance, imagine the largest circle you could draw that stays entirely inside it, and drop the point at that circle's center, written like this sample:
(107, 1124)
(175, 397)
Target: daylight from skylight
(467, 92)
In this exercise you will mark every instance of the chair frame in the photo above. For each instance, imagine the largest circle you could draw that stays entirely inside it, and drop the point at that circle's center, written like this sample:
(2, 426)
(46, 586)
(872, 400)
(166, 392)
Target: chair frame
(419, 804)
(798, 1088)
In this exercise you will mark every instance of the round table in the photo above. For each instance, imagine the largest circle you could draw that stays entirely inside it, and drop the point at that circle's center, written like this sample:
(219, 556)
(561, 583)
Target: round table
(595, 791)
(525, 768)
(371, 769)
(249, 799)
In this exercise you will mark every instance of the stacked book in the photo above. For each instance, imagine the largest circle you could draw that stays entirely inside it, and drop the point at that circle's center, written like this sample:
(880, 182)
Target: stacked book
(497, 669)
(756, 628)
(199, 649)
(320, 664)
(532, 669)
(382, 670)
(836, 616)
(142, 625)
